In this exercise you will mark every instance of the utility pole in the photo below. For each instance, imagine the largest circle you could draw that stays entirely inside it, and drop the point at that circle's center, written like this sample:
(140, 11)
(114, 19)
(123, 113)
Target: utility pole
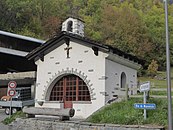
(168, 69)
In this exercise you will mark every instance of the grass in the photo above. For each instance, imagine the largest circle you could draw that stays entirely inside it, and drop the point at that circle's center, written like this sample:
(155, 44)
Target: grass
(160, 81)
(156, 93)
(125, 113)
(159, 93)
(18, 114)
(154, 82)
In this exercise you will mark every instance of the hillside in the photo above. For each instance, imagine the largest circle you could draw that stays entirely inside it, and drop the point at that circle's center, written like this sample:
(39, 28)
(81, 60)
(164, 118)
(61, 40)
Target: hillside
(133, 26)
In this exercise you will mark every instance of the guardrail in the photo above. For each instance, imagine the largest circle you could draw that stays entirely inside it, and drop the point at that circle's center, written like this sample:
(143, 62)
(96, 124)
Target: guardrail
(152, 90)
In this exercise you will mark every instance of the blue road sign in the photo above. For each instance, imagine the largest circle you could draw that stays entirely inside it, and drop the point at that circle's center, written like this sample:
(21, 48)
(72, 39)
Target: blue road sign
(144, 106)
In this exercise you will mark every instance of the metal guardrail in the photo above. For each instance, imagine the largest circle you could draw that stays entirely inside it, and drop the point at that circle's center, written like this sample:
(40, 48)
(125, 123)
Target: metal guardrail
(140, 96)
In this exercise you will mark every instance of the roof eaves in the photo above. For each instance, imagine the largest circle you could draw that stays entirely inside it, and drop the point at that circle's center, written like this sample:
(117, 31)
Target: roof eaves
(91, 42)
(101, 46)
(43, 47)
(13, 52)
(21, 37)
(125, 55)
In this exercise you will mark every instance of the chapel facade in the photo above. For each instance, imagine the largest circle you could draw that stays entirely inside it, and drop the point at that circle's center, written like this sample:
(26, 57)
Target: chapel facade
(76, 72)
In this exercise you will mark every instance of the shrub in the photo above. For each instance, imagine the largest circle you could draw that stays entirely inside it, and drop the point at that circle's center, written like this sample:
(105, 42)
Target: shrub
(152, 68)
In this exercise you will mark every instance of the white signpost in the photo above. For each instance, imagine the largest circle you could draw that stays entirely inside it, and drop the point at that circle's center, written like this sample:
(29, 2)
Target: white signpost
(145, 87)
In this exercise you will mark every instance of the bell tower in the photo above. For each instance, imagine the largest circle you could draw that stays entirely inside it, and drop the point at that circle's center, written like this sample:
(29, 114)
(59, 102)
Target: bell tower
(73, 25)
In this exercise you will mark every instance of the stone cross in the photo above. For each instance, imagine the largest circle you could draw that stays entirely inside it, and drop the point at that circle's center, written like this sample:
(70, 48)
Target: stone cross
(68, 50)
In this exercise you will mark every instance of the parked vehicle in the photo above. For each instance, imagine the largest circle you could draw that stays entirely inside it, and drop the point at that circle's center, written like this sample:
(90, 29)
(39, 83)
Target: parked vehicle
(22, 98)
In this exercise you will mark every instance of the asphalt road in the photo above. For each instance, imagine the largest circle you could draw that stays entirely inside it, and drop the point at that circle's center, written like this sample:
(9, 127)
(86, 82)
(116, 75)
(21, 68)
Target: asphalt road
(2, 117)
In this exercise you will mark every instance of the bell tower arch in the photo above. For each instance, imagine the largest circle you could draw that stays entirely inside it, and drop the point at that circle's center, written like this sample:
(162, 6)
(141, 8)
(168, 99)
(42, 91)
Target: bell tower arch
(73, 25)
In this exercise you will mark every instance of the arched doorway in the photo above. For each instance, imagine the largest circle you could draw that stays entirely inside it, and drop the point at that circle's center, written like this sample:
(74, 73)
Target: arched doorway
(68, 89)
(123, 80)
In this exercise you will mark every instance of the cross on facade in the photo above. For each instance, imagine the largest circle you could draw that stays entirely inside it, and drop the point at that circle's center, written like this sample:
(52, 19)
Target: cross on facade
(68, 50)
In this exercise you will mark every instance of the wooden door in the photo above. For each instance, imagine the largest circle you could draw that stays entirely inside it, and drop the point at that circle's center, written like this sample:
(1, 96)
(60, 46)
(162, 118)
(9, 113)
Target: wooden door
(68, 104)
(69, 91)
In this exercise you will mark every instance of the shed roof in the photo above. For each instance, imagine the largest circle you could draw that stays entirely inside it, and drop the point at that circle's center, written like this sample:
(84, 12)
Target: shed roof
(13, 51)
(9, 34)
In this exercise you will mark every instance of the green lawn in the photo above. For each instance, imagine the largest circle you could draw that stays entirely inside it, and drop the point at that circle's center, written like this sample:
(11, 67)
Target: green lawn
(125, 113)
(155, 83)
(159, 81)
(159, 93)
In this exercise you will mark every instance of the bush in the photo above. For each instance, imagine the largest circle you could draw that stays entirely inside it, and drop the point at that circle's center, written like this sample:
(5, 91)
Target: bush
(152, 68)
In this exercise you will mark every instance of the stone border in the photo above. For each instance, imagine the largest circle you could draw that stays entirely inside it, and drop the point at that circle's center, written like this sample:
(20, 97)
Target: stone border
(50, 124)
(55, 77)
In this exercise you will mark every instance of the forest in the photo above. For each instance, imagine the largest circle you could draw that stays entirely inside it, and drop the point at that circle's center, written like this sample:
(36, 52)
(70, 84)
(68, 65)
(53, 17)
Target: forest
(133, 26)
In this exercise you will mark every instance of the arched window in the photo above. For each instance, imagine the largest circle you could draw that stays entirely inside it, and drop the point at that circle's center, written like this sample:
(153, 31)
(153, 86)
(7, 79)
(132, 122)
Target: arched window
(70, 88)
(123, 80)
(70, 26)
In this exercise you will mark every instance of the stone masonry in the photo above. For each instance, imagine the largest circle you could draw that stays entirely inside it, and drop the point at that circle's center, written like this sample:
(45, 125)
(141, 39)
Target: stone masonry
(47, 124)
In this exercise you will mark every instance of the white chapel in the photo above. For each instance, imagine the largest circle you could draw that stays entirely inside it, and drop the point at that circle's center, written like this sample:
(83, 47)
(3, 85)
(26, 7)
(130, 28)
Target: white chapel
(76, 72)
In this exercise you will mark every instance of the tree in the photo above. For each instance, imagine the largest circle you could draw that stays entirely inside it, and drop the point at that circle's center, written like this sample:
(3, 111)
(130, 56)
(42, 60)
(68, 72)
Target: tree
(133, 26)
(52, 26)
(152, 68)
(91, 14)
(123, 28)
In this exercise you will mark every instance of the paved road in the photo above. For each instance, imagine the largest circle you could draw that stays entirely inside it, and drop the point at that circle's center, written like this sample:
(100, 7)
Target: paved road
(2, 117)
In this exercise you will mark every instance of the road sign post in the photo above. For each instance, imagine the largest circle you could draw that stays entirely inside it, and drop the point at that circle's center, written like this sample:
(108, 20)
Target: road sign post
(145, 87)
(145, 111)
(11, 92)
(10, 107)
(12, 84)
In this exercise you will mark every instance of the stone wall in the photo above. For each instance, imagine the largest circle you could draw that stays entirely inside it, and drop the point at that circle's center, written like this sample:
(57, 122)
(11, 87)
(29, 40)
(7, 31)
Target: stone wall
(20, 75)
(38, 124)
